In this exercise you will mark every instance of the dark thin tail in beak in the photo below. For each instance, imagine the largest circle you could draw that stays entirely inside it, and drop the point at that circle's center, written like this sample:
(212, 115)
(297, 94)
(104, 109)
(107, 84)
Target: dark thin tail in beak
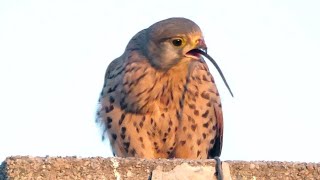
(217, 67)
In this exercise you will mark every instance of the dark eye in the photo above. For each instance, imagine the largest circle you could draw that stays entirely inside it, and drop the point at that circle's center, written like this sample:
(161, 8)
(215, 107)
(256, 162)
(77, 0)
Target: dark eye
(177, 42)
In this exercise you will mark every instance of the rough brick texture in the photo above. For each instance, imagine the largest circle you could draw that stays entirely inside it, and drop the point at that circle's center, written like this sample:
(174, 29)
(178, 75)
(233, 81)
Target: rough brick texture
(21, 167)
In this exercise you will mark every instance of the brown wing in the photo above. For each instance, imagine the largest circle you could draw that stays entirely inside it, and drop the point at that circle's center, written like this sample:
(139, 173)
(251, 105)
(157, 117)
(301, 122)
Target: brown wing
(112, 86)
(217, 147)
(215, 114)
(200, 132)
(108, 96)
(209, 91)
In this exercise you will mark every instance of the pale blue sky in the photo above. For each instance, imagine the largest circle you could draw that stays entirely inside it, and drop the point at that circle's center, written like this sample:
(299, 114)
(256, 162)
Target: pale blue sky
(53, 56)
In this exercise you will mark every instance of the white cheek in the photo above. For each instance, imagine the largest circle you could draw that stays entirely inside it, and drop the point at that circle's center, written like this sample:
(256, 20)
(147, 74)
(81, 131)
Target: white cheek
(170, 53)
(165, 56)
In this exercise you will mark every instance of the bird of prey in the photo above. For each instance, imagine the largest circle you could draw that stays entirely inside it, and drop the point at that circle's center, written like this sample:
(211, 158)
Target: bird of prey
(159, 99)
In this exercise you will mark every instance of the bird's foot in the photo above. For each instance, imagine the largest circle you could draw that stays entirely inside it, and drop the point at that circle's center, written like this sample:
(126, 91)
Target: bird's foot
(219, 172)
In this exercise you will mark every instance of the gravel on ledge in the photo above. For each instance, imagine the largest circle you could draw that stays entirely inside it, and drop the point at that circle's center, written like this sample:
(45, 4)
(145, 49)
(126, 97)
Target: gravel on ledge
(25, 167)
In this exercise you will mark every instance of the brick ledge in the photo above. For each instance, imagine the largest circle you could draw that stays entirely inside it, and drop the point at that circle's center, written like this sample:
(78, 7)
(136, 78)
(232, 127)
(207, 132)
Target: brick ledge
(25, 167)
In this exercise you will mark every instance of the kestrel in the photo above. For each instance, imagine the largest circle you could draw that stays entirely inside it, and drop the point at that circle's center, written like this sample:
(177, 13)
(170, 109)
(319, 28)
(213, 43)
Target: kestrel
(159, 99)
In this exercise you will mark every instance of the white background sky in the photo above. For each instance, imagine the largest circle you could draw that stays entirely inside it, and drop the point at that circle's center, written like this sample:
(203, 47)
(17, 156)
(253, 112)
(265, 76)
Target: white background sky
(53, 56)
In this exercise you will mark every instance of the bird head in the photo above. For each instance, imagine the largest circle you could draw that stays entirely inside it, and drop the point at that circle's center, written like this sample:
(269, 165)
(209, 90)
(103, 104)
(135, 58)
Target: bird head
(173, 40)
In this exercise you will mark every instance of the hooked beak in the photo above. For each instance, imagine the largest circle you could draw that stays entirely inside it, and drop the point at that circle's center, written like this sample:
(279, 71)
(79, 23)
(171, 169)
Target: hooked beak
(200, 48)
